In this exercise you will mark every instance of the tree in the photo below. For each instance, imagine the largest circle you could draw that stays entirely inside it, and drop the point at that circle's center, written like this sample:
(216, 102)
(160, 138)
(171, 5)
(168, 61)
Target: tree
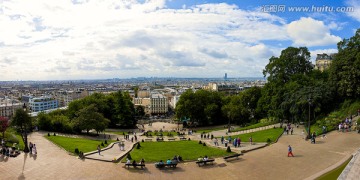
(23, 123)
(139, 111)
(88, 118)
(345, 68)
(4, 124)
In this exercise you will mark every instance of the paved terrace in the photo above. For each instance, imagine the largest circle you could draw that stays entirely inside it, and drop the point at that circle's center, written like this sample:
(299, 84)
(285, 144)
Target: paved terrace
(271, 162)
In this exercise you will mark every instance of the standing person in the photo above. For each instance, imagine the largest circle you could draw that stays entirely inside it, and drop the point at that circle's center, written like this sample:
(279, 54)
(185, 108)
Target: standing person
(290, 151)
(222, 139)
(98, 148)
(34, 151)
(250, 140)
(292, 130)
(30, 146)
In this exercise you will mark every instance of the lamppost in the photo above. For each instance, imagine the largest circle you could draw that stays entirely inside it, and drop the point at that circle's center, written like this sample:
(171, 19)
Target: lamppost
(229, 121)
(310, 102)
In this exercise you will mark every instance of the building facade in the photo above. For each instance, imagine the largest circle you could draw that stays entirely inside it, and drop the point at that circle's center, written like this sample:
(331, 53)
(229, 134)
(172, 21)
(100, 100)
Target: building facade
(42, 103)
(154, 105)
(8, 110)
(323, 61)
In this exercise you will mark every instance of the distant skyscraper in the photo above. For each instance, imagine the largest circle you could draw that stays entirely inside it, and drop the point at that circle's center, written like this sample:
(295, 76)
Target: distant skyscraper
(225, 77)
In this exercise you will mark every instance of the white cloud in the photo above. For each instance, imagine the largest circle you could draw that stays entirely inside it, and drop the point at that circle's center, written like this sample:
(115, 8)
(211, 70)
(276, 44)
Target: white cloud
(127, 38)
(311, 32)
(356, 7)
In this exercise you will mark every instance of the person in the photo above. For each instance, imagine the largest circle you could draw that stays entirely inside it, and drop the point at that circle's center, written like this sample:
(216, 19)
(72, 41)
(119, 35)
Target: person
(206, 158)
(303, 134)
(250, 140)
(34, 151)
(99, 149)
(128, 161)
(179, 158)
(2, 142)
(290, 151)
(134, 163)
(168, 161)
(30, 146)
(216, 142)
(222, 139)
(200, 158)
(142, 161)
(292, 130)
(159, 164)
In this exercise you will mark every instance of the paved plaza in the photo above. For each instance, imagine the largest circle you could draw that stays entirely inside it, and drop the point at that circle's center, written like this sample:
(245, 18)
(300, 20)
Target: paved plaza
(270, 162)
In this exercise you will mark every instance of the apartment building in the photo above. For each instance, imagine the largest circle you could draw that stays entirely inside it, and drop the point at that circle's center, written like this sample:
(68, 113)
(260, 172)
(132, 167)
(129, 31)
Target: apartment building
(65, 97)
(8, 110)
(323, 61)
(153, 105)
(42, 103)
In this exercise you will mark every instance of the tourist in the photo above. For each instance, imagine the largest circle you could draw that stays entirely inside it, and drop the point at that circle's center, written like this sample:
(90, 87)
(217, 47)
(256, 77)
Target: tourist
(128, 161)
(200, 158)
(99, 149)
(134, 163)
(222, 139)
(250, 140)
(216, 142)
(290, 151)
(206, 158)
(142, 161)
(292, 130)
(30, 146)
(168, 161)
(34, 151)
(239, 142)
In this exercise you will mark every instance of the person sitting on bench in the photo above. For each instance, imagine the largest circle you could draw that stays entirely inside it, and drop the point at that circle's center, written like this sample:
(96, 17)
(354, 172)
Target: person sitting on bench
(168, 161)
(142, 161)
(200, 158)
(128, 161)
(134, 163)
(206, 158)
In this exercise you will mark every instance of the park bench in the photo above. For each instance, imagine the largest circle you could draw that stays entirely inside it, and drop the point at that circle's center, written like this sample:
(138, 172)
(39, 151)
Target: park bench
(172, 165)
(209, 161)
(160, 139)
(171, 139)
(148, 139)
(135, 165)
(182, 138)
(233, 156)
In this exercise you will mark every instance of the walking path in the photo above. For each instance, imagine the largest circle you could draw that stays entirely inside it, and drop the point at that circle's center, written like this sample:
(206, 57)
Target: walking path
(271, 162)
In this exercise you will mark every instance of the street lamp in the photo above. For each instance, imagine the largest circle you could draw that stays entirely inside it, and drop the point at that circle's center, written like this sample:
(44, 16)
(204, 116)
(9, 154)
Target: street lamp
(229, 121)
(310, 102)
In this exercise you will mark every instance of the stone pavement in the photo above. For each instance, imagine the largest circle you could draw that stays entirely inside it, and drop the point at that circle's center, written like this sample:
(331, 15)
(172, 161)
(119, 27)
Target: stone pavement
(271, 162)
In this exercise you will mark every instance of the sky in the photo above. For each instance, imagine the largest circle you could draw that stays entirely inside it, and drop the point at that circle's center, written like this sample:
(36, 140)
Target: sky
(101, 39)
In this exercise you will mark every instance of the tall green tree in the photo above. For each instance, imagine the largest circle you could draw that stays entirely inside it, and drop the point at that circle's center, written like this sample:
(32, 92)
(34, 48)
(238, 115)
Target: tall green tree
(23, 123)
(88, 118)
(345, 68)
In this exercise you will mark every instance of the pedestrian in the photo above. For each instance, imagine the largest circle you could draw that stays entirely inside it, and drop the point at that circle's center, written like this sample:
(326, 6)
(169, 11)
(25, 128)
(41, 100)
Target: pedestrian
(222, 139)
(290, 151)
(292, 130)
(303, 134)
(99, 149)
(34, 151)
(30, 146)
(250, 140)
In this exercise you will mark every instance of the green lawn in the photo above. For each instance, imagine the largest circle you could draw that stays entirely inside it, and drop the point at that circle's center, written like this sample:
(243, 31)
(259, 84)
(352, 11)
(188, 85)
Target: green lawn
(334, 174)
(69, 144)
(188, 150)
(254, 126)
(260, 136)
(117, 132)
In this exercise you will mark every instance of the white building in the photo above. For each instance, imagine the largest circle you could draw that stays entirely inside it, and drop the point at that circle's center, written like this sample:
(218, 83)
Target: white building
(156, 104)
(42, 103)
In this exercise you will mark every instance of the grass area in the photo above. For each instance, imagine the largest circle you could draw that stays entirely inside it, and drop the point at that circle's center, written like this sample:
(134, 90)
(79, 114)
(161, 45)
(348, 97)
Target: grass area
(69, 144)
(188, 150)
(11, 137)
(117, 132)
(332, 120)
(260, 136)
(257, 125)
(334, 174)
(210, 129)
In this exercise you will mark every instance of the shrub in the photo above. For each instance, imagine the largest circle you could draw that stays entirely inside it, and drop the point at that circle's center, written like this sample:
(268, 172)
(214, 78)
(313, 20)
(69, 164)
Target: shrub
(54, 134)
(228, 149)
(102, 144)
(117, 139)
(204, 144)
(189, 139)
(142, 140)
(48, 134)
(128, 156)
(200, 142)
(268, 140)
(138, 146)
(105, 141)
(76, 151)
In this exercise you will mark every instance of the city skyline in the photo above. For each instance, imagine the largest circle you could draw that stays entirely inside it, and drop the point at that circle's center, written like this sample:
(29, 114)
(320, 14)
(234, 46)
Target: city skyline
(87, 39)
